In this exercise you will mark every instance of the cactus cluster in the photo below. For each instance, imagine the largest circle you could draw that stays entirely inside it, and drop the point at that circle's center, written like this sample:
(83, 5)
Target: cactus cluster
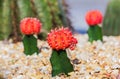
(58, 39)
(12, 11)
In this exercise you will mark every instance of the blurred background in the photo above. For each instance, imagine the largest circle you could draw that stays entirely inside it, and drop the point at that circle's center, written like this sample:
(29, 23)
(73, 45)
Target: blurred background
(56, 13)
(79, 8)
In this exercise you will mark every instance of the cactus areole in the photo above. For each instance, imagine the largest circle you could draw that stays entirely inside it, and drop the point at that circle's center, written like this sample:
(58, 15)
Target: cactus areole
(30, 26)
(93, 19)
(59, 40)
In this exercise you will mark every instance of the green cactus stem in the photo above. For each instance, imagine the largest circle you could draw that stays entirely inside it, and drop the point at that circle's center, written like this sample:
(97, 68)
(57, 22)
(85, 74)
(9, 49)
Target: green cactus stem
(111, 22)
(5, 19)
(30, 45)
(95, 33)
(60, 63)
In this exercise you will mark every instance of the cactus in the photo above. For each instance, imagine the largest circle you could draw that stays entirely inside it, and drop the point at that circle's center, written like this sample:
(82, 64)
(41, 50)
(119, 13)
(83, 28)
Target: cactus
(111, 22)
(15, 10)
(59, 40)
(30, 26)
(93, 19)
(5, 19)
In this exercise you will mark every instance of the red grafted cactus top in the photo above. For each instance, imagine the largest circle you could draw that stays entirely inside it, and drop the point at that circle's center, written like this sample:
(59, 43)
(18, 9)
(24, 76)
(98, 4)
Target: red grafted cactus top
(61, 39)
(93, 17)
(29, 26)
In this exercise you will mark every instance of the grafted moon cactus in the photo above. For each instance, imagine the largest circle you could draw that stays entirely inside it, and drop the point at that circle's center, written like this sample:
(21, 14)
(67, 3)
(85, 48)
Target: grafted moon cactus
(30, 26)
(59, 40)
(93, 19)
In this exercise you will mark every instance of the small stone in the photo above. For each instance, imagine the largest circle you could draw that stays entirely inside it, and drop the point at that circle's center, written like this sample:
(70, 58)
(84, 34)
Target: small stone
(76, 61)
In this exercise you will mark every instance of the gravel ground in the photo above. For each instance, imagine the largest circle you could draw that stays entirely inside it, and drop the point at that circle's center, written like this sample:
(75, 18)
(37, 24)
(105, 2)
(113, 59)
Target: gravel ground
(99, 60)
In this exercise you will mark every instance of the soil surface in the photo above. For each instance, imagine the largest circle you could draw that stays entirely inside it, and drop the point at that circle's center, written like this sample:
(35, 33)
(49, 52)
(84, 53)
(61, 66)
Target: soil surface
(97, 60)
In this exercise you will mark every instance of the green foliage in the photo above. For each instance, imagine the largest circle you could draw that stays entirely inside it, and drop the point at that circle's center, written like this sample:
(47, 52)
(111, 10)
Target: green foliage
(60, 63)
(95, 33)
(30, 45)
(111, 22)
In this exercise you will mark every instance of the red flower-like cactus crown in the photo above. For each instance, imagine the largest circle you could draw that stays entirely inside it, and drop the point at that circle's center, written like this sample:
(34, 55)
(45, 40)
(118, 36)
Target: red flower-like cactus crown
(94, 17)
(61, 39)
(29, 26)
